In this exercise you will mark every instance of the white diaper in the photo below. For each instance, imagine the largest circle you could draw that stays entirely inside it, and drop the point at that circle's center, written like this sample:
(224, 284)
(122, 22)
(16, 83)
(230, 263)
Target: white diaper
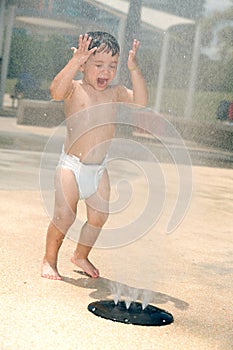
(87, 176)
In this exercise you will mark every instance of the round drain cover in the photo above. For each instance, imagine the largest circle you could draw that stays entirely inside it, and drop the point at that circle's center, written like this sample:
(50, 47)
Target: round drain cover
(135, 314)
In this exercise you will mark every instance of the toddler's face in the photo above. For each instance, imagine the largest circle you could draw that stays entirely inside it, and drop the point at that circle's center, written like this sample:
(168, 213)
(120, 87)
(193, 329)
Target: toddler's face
(100, 70)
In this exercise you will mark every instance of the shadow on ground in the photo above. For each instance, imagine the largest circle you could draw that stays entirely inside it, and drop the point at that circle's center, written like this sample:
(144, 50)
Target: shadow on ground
(102, 289)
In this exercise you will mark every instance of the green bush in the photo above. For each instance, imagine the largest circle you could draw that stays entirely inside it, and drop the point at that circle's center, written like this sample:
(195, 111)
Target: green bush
(205, 103)
(37, 56)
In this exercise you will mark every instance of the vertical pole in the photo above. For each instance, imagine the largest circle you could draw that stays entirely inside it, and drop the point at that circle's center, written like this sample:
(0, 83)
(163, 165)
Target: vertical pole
(6, 51)
(50, 6)
(121, 35)
(132, 28)
(2, 9)
(193, 75)
(162, 71)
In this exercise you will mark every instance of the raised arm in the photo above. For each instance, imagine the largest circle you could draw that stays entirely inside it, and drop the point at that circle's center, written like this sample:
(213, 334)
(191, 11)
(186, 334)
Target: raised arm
(138, 94)
(62, 84)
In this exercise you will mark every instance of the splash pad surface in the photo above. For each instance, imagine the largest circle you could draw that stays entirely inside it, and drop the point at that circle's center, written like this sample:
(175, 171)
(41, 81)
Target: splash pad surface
(135, 314)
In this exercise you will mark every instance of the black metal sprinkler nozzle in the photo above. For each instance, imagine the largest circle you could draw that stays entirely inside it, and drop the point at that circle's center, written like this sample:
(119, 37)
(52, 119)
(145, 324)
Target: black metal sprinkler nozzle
(135, 314)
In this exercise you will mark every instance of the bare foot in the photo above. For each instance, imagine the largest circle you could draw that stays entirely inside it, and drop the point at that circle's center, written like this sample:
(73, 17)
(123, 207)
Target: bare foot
(49, 272)
(86, 266)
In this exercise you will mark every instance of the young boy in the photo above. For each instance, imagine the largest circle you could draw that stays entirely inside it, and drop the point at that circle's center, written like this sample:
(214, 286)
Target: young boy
(97, 58)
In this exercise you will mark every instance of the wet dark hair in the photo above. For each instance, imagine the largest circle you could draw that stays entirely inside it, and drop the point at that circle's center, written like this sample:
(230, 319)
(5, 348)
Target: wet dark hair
(104, 42)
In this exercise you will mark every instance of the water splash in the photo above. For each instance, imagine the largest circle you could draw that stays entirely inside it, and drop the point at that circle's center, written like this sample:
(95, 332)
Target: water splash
(129, 294)
(146, 298)
(116, 291)
(128, 303)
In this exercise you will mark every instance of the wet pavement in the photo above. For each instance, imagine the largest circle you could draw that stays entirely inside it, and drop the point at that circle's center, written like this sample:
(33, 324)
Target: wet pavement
(188, 273)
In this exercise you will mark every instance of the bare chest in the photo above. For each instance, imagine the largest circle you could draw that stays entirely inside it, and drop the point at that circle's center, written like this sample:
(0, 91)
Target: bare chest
(82, 99)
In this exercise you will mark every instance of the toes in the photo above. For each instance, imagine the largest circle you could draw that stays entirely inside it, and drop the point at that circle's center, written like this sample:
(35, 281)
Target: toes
(94, 274)
(90, 273)
(49, 272)
(51, 277)
(86, 266)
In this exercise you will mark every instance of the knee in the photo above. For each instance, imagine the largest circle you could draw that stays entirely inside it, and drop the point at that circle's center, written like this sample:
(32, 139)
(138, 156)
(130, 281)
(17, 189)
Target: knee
(98, 220)
(64, 218)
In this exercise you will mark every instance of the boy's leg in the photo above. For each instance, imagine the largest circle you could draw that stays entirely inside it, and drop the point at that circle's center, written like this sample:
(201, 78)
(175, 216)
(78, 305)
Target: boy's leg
(66, 199)
(97, 214)
(54, 241)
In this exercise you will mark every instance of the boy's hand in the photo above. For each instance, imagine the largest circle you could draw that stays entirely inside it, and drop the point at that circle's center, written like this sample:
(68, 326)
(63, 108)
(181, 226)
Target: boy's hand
(132, 63)
(82, 53)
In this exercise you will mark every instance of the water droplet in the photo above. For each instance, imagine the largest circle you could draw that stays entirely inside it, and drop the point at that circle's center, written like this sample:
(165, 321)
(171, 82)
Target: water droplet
(127, 304)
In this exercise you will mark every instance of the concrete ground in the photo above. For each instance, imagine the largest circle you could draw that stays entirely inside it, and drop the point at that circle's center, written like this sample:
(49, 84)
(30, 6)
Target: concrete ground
(188, 273)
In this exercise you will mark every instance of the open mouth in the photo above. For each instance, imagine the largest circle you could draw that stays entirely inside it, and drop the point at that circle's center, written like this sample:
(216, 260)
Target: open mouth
(102, 82)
